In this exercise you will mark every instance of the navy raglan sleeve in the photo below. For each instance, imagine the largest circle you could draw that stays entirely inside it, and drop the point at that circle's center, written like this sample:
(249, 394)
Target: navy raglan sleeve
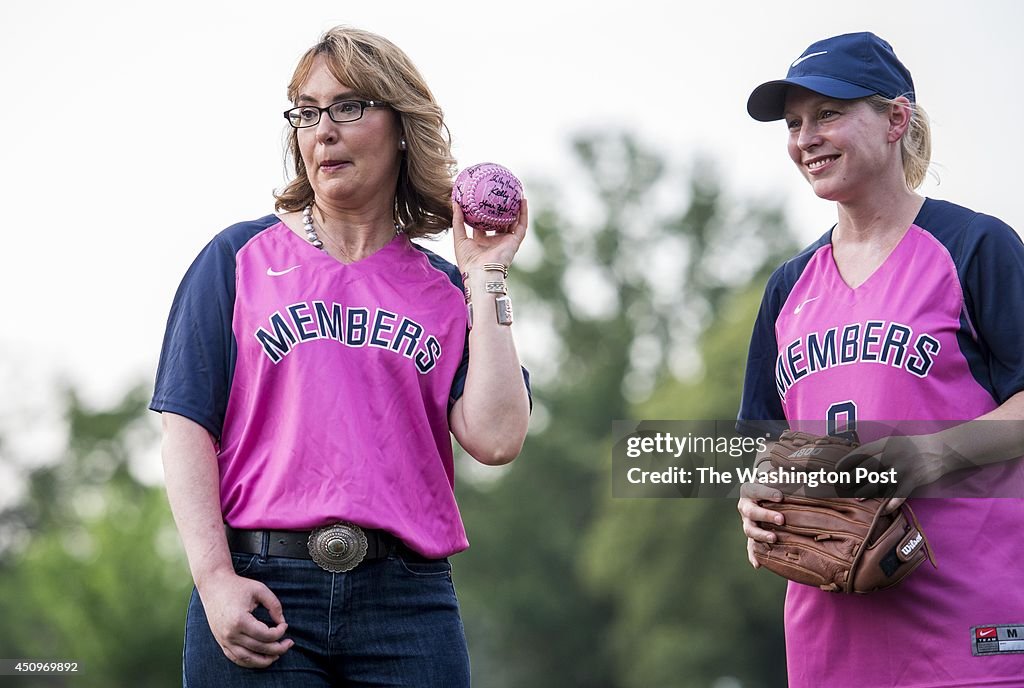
(198, 354)
(761, 408)
(992, 275)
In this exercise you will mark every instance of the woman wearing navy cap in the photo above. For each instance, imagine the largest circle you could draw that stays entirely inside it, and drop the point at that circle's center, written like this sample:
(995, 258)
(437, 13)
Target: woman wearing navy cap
(908, 311)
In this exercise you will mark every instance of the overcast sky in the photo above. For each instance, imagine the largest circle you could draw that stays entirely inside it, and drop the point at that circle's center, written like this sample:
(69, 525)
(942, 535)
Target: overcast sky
(114, 176)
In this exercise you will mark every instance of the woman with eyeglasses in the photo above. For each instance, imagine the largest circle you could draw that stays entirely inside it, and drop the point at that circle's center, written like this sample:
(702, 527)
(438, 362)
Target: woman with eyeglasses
(315, 366)
(904, 323)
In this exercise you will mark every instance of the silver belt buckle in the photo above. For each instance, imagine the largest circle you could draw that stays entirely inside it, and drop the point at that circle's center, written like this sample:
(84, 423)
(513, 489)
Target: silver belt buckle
(338, 547)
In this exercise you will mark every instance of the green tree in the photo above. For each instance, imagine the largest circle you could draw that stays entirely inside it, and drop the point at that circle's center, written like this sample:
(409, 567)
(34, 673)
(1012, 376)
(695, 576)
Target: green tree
(690, 609)
(94, 572)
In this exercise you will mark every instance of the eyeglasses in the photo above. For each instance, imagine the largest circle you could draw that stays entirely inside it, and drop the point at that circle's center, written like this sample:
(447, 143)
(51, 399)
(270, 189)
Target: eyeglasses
(340, 112)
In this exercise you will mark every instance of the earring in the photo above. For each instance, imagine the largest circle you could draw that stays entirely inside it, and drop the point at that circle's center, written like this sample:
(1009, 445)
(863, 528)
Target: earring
(401, 145)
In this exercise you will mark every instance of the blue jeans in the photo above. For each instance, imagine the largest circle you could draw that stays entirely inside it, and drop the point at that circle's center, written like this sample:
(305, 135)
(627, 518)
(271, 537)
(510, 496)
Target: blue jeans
(388, 622)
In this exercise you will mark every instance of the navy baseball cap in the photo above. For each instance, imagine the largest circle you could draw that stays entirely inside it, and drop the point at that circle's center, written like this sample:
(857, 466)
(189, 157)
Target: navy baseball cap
(853, 65)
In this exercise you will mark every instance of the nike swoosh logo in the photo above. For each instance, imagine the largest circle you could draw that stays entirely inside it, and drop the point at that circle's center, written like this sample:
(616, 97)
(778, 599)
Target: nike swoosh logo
(990, 631)
(277, 273)
(796, 311)
(807, 57)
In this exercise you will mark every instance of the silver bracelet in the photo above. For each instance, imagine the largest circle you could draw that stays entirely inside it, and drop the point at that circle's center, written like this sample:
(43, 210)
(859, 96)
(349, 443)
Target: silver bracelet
(497, 267)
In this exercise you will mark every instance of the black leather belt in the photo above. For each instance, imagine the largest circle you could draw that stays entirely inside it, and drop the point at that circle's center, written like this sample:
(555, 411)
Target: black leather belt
(337, 547)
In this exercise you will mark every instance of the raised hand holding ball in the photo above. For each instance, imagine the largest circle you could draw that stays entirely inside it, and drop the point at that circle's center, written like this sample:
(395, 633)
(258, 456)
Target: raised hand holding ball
(489, 196)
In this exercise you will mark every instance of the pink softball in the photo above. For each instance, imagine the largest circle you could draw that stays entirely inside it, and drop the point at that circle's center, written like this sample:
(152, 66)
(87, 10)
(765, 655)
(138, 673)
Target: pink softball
(489, 196)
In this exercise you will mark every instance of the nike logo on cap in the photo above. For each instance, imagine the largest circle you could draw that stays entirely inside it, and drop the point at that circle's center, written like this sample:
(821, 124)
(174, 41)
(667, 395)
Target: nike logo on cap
(277, 273)
(807, 57)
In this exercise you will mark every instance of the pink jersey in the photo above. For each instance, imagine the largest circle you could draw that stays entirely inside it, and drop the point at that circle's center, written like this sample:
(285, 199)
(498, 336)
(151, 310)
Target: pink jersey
(935, 334)
(328, 385)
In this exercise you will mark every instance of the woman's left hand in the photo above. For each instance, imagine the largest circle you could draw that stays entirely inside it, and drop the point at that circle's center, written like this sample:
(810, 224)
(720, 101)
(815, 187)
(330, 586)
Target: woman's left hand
(476, 250)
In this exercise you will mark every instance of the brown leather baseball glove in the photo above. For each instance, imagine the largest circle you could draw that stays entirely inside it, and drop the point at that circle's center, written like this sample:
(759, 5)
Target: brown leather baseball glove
(837, 544)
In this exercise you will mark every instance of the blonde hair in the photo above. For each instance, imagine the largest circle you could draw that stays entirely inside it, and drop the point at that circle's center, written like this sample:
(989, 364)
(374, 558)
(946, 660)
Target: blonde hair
(378, 70)
(916, 143)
